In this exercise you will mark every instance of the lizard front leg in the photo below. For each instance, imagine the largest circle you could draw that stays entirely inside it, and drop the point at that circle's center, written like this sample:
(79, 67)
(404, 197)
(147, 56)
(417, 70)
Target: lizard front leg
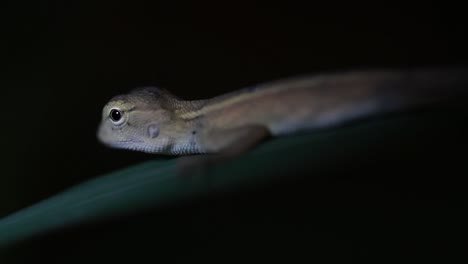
(223, 145)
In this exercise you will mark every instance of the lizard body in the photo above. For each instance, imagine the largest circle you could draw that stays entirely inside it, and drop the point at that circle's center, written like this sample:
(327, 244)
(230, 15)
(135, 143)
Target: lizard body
(153, 120)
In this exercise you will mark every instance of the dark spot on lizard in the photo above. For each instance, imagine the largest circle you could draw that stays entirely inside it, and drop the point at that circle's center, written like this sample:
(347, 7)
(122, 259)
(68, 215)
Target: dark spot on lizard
(194, 132)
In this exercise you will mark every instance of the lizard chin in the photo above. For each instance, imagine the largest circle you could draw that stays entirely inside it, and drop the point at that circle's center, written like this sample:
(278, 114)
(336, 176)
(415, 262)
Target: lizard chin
(138, 145)
(125, 144)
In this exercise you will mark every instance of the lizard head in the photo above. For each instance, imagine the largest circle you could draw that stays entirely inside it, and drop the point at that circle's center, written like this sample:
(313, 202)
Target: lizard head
(136, 121)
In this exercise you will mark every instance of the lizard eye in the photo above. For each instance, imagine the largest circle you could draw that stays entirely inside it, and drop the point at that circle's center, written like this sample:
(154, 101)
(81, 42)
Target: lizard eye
(116, 116)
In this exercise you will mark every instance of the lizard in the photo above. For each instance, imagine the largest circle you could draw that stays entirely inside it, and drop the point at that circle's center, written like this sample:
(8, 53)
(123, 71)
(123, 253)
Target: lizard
(153, 120)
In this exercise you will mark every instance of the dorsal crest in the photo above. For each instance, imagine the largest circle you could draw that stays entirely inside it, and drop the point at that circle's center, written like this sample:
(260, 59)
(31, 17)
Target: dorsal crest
(152, 92)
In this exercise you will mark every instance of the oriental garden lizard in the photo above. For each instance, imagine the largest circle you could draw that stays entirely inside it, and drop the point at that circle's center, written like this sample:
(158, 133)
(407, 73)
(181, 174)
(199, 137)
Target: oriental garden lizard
(153, 120)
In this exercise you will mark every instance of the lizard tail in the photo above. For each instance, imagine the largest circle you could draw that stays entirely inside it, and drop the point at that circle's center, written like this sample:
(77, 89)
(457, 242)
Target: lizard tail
(418, 87)
(381, 92)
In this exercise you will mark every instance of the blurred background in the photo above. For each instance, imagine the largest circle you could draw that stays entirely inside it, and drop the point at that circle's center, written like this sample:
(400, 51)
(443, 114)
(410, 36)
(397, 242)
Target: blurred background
(62, 60)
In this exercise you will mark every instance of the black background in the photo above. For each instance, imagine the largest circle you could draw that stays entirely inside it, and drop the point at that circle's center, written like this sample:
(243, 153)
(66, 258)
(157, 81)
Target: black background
(61, 61)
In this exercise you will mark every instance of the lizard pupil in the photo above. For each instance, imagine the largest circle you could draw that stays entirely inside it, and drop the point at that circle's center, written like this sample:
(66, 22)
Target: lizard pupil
(115, 115)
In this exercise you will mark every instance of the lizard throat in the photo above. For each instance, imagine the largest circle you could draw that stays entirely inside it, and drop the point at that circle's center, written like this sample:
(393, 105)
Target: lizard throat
(163, 147)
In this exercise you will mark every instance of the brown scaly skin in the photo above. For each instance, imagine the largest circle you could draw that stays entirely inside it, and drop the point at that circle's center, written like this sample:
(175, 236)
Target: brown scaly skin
(153, 120)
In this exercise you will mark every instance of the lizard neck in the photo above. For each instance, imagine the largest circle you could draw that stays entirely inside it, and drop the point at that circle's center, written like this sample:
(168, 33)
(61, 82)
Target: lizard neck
(181, 135)
(176, 137)
(188, 110)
